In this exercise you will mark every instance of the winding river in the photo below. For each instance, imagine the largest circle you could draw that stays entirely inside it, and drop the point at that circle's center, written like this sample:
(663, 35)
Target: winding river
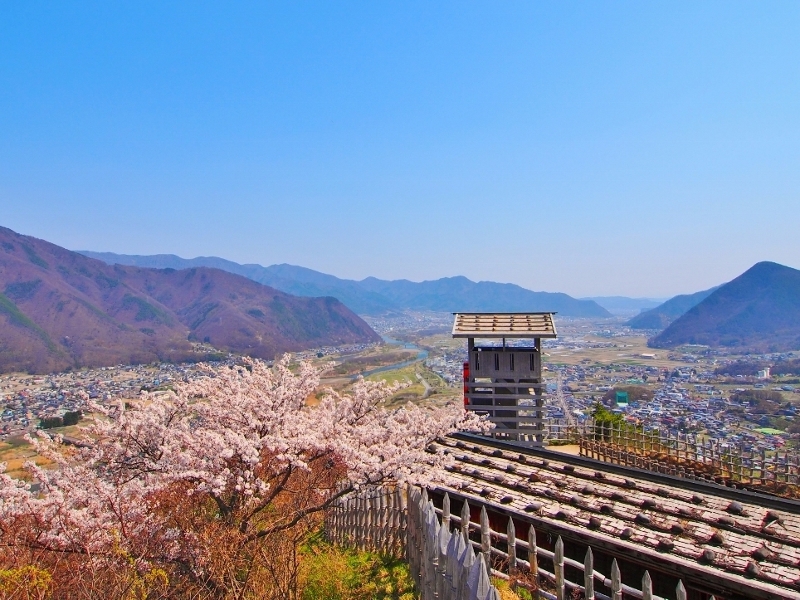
(421, 355)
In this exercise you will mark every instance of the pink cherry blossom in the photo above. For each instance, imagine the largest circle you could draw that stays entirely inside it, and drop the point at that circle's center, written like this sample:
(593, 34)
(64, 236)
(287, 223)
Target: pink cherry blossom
(242, 439)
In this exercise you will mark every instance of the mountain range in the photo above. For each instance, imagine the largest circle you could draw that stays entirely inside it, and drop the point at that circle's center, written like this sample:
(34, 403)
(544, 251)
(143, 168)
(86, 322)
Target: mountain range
(60, 309)
(758, 311)
(373, 296)
(623, 306)
(664, 314)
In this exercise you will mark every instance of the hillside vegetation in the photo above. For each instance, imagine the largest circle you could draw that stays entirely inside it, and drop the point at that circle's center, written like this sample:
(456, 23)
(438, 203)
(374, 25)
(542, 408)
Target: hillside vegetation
(60, 309)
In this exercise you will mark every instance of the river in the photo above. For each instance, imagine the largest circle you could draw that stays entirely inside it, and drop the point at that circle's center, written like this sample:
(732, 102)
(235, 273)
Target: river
(422, 354)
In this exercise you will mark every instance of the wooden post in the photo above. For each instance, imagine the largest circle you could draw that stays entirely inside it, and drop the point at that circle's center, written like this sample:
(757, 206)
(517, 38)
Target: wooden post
(512, 546)
(588, 575)
(446, 511)
(362, 522)
(786, 467)
(711, 455)
(558, 568)
(616, 581)
(465, 521)
(486, 540)
(392, 524)
(533, 560)
(647, 586)
(403, 515)
(676, 446)
(680, 591)
(372, 515)
(350, 517)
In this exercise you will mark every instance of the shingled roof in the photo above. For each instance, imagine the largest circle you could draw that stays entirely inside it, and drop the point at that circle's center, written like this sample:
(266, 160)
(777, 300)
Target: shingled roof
(504, 325)
(718, 537)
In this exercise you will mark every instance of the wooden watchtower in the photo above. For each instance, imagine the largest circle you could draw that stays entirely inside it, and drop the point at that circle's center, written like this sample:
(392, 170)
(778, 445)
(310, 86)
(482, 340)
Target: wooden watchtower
(502, 380)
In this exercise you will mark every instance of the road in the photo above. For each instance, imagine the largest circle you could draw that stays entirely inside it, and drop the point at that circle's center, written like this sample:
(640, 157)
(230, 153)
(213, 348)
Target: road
(426, 384)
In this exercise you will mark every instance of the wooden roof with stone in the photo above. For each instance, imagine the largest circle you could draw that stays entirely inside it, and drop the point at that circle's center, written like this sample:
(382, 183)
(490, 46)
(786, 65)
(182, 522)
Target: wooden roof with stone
(716, 536)
(504, 325)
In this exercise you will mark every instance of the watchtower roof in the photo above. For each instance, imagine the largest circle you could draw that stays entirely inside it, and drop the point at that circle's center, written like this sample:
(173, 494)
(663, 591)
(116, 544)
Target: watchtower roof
(504, 325)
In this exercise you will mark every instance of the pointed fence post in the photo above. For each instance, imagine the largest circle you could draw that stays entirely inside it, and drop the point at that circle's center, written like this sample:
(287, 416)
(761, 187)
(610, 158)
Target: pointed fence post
(486, 540)
(465, 521)
(588, 575)
(512, 546)
(680, 591)
(647, 586)
(616, 581)
(533, 560)
(446, 511)
(558, 568)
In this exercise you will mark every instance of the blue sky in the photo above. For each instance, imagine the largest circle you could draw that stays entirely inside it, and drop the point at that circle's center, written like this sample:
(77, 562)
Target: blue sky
(593, 148)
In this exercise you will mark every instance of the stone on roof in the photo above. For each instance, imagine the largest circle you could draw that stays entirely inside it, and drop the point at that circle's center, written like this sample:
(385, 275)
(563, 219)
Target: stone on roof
(504, 325)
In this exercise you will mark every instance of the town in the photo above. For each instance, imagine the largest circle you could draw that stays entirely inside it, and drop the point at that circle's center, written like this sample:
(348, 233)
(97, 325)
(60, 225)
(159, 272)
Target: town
(672, 391)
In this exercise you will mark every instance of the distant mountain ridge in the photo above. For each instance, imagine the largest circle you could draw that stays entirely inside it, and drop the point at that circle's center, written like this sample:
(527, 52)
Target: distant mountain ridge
(623, 305)
(661, 316)
(758, 311)
(60, 309)
(373, 296)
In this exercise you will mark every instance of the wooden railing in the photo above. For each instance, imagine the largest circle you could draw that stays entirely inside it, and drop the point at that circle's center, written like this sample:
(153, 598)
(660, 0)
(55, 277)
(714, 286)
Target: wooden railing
(686, 455)
(403, 522)
(530, 574)
(452, 557)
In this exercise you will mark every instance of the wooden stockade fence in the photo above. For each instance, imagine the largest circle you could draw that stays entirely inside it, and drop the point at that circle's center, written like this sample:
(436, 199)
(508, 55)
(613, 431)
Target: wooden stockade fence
(448, 564)
(374, 519)
(686, 455)
(403, 522)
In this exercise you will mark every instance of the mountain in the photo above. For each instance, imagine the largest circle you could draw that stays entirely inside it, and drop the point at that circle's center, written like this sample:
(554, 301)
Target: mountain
(624, 306)
(298, 281)
(60, 309)
(373, 296)
(459, 294)
(758, 311)
(664, 314)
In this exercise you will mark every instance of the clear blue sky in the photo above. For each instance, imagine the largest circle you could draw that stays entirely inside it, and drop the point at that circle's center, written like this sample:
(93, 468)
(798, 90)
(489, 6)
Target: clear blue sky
(595, 148)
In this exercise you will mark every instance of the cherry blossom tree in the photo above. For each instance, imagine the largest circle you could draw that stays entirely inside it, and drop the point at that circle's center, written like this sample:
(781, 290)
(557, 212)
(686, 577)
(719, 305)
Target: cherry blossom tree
(211, 488)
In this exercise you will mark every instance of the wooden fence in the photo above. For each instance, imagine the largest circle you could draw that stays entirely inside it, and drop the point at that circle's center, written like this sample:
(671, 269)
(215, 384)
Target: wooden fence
(374, 519)
(452, 557)
(504, 551)
(686, 455)
(403, 522)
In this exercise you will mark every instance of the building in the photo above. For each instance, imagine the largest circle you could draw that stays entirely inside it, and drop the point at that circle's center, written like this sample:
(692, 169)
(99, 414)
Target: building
(503, 374)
